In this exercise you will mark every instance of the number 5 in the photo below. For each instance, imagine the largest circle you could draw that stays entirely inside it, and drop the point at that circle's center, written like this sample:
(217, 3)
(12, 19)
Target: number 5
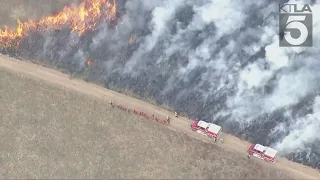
(294, 23)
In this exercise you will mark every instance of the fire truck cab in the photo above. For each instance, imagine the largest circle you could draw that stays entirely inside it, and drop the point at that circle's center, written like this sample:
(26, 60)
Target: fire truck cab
(209, 129)
(262, 152)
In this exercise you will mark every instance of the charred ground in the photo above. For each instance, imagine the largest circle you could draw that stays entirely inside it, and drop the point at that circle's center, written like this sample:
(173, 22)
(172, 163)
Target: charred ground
(149, 78)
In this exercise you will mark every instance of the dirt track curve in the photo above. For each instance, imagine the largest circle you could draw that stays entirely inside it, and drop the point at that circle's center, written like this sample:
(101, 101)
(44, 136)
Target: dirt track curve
(180, 124)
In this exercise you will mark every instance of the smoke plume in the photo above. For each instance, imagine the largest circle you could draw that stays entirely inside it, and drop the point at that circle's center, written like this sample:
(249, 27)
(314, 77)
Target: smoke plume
(219, 61)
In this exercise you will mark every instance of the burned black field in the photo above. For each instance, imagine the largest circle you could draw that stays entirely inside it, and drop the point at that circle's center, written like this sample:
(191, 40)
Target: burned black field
(191, 66)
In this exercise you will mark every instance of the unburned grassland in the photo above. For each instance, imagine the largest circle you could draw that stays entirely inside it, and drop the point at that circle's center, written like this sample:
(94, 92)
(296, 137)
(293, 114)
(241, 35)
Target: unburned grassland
(51, 132)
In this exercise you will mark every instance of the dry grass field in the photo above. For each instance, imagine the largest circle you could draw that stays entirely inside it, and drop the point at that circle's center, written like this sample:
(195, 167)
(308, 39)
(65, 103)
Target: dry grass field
(50, 132)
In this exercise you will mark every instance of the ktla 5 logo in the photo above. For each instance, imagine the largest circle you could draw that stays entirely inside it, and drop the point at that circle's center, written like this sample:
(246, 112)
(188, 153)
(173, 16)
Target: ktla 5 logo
(295, 25)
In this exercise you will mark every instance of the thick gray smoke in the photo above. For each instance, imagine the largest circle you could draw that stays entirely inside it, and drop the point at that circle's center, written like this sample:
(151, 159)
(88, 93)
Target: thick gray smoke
(215, 60)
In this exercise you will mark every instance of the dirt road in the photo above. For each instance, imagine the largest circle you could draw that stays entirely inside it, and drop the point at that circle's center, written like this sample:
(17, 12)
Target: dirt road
(180, 124)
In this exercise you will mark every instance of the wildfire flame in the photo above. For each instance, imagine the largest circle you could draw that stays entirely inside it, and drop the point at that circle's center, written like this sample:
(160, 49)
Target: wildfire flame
(80, 19)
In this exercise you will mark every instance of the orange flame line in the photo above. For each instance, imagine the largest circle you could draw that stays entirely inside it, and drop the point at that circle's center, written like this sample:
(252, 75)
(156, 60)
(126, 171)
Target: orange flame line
(80, 19)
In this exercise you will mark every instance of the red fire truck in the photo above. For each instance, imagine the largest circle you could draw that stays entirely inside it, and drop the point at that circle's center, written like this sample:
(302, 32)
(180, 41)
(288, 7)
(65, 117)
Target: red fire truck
(262, 152)
(209, 129)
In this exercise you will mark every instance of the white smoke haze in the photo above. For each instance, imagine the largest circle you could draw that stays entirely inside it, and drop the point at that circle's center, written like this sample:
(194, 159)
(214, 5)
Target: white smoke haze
(291, 83)
(160, 17)
(303, 131)
(216, 60)
(292, 70)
